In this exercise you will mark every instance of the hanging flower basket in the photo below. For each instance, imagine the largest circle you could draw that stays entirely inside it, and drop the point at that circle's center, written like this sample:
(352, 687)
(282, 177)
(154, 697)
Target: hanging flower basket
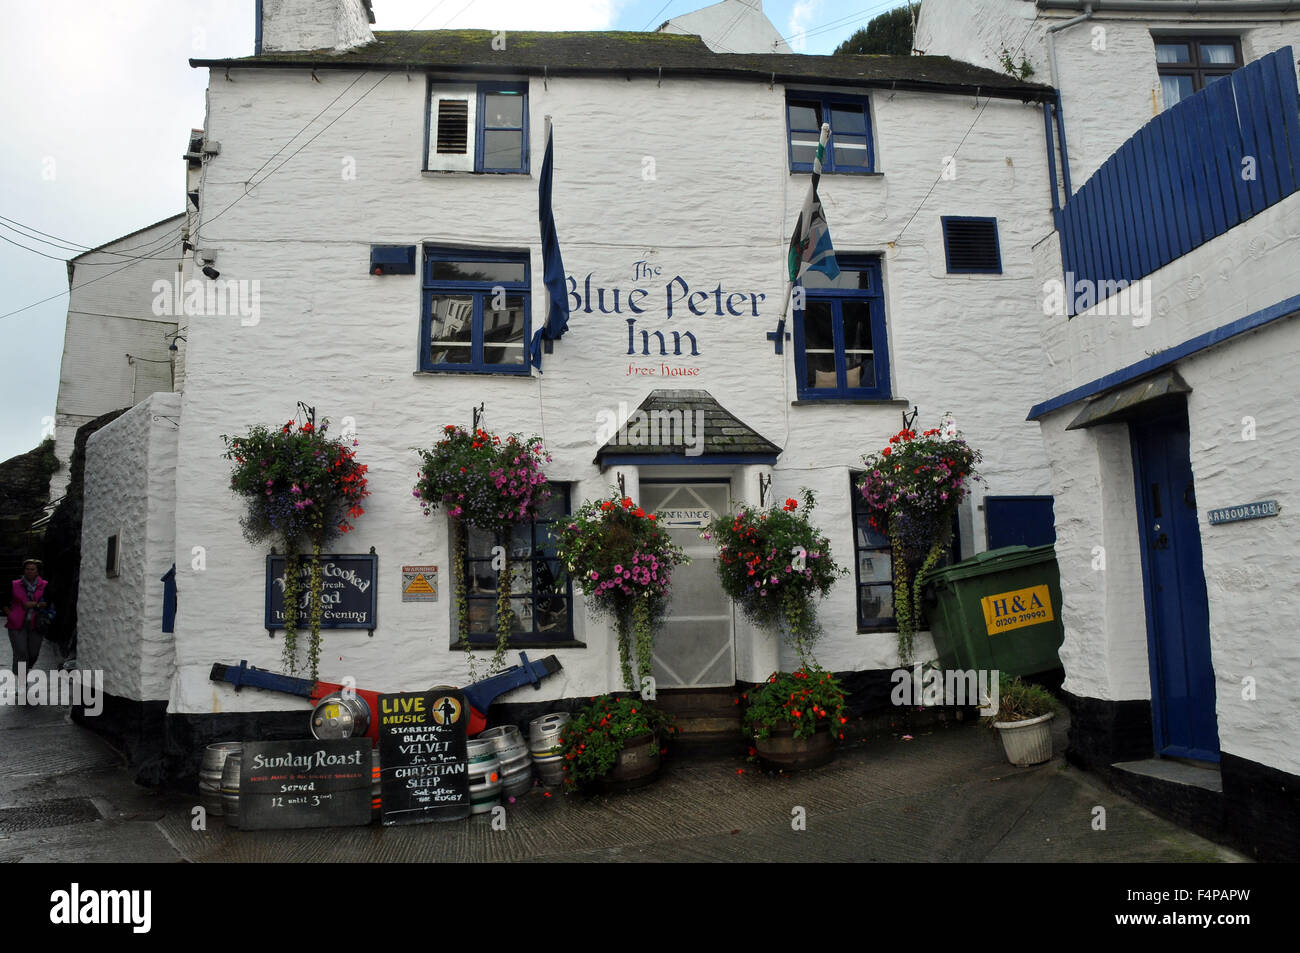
(623, 561)
(480, 480)
(302, 489)
(774, 563)
(912, 489)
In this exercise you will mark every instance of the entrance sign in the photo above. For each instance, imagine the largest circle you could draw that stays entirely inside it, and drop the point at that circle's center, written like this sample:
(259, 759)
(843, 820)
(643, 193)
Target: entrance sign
(1244, 511)
(348, 591)
(1017, 608)
(423, 756)
(672, 518)
(419, 583)
(296, 784)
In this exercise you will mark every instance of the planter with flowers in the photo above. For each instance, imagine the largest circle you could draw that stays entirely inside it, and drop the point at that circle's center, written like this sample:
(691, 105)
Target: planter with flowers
(494, 485)
(623, 561)
(774, 563)
(795, 719)
(912, 489)
(302, 489)
(614, 743)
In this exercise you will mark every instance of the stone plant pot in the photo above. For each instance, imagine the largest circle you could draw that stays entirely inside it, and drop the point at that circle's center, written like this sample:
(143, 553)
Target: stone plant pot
(1027, 742)
(636, 766)
(782, 751)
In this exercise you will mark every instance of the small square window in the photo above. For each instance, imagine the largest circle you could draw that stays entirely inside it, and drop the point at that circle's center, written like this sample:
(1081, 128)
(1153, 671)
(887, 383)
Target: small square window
(970, 245)
(479, 127)
(476, 311)
(849, 149)
(1187, 64)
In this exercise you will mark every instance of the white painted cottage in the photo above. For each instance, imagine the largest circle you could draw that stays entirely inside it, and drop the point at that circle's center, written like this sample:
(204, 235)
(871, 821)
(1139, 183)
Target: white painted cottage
(1168, 409)
(678, 175)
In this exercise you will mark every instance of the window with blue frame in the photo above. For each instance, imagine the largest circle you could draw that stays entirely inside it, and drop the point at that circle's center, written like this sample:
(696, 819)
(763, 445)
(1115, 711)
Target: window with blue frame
(839, 335)
(477, 127)
(540, 587)
(476, 311)
(849, 148)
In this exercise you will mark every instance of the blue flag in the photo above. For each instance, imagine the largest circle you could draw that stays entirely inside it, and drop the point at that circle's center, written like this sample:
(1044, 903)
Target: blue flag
(557, 312)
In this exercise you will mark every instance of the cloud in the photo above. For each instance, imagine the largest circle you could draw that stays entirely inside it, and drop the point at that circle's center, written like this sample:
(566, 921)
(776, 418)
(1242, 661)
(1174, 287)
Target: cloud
(495, 14)
(801, 18)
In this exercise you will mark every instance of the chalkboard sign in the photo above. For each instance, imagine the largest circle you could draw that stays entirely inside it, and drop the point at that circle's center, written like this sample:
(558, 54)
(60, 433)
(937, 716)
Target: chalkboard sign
(348, 597)
(293, 784)
(423, 756)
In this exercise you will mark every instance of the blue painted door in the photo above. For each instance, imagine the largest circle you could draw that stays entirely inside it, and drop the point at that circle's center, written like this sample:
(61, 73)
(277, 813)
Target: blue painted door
(1178, 616)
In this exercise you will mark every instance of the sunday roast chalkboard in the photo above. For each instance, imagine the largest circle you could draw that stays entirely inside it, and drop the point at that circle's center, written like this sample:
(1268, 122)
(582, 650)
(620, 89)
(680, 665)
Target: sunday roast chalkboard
(422, 753)
(292, 784)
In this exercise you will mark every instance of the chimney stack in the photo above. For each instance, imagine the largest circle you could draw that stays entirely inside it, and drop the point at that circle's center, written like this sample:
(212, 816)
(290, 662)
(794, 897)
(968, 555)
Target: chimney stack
(290, 26)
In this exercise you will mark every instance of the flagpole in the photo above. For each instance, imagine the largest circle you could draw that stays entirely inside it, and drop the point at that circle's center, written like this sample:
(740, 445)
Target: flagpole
(807, 210)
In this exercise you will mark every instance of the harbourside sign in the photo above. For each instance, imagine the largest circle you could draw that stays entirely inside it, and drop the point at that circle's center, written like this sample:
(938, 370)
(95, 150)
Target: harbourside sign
(1243, 511)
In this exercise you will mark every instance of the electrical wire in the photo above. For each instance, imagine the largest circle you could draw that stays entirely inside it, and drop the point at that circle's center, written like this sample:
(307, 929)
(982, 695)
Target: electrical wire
(79, 251)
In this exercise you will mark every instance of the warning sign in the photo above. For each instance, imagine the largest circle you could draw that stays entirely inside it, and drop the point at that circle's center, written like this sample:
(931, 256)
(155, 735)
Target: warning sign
(419, 583)
(1011, 610)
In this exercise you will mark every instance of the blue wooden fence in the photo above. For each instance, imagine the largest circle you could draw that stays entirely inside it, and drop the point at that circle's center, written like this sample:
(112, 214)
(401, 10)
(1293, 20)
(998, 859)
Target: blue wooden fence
(1186, 176)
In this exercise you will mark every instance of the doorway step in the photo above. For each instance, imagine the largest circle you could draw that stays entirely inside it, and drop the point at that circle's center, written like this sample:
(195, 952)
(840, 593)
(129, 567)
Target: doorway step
(708, 721)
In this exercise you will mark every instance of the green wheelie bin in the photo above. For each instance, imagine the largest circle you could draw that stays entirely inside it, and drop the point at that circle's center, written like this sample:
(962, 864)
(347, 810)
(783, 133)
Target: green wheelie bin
(999, 610)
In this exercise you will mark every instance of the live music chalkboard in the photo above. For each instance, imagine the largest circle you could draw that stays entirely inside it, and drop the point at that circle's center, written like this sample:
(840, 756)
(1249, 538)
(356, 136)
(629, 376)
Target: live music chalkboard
(423, 756)
(294, 784)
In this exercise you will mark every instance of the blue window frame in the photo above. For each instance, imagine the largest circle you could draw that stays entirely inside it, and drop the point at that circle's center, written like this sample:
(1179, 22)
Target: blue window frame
(476, 311)
(971, 246)
(477, 127)
(849, 149)
(541, 592)
(839, 335)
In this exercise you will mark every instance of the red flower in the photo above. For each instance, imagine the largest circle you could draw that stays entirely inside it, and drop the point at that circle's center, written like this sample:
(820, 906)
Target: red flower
(791, 505)
(885, 452)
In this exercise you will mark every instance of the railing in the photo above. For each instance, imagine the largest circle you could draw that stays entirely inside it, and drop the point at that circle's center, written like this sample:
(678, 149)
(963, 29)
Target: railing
(1196, 170)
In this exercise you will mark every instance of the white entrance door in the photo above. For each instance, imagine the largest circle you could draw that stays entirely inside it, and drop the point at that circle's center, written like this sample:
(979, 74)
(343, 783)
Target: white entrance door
(695, 647)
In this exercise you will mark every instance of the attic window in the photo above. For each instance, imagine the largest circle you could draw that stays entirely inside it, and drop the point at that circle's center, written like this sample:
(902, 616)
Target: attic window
(971, 245)
(453, 126)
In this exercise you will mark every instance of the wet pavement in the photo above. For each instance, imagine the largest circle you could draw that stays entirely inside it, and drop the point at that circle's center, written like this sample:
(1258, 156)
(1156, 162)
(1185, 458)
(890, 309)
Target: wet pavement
(945, 795)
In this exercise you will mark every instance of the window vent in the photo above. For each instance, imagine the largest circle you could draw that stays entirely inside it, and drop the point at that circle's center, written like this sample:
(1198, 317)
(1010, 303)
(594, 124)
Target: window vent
(453, 127)
(971, 245)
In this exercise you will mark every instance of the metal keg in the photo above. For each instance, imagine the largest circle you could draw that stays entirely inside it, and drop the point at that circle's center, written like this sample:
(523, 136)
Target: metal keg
(340, 715)
(544, 743)
(230, 789)
(517, 775)
(484, 776)
(214, 762)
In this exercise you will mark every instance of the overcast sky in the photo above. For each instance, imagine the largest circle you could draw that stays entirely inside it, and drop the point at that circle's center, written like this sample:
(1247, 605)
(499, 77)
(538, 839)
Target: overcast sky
(98, 101)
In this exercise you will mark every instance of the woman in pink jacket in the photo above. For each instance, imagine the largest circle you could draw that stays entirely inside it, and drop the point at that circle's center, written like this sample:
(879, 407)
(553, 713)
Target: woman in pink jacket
(28, 597)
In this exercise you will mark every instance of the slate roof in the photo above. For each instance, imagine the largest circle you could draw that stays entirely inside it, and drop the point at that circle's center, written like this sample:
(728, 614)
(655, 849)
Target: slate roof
(554, 53)
(724, 434)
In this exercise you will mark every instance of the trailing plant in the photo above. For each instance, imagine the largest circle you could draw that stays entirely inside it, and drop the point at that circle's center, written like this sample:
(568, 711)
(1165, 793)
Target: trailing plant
(302, 489)
(494, 485)
(1020, 701)
(623, 561)
(593, 738)
(1021, 71)
(773, 563)
(804, 699)
(912, 489)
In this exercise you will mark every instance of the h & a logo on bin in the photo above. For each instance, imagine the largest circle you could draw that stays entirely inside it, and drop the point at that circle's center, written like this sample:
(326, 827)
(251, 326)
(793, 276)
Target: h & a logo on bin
(1019, 607)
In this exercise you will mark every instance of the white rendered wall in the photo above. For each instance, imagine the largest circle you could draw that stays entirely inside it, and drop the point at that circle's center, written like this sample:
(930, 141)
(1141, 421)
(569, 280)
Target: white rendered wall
(131, 492)
(733, 26)
(338, 338)
(289, 25)
(110, 316)
(1108, 80)
(1251, 587)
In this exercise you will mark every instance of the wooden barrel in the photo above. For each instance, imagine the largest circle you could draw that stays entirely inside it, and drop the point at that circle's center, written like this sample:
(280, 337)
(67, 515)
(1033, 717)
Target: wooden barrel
(214, 762)
(784, 752)
(544, 744)
(230, 789)
(637, 764)
(484, 776)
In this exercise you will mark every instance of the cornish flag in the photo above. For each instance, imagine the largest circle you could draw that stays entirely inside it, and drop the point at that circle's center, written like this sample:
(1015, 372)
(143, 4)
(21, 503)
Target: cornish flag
(810, 245)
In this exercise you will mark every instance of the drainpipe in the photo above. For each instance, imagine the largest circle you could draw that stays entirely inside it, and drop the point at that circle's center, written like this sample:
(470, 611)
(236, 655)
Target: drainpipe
(1056, 85)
